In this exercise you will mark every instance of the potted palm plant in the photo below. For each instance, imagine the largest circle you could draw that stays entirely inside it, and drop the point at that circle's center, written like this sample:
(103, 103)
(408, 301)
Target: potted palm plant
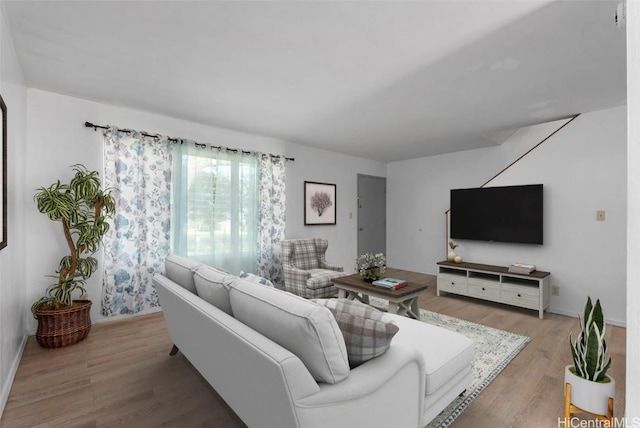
(590, 386)
(83, 208)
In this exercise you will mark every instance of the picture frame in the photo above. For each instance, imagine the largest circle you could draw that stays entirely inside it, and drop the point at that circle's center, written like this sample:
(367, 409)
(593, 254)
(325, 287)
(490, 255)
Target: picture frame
(319, 203)
(3, 176)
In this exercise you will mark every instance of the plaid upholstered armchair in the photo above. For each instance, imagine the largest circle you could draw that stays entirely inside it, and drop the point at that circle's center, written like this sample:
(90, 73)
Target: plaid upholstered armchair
(306, 271)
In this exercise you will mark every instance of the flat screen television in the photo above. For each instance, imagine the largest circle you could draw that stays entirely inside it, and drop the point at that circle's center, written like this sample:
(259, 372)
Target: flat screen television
(501, 214)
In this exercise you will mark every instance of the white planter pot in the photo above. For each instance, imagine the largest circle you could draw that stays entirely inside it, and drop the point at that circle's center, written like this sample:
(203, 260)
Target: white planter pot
(588, 395)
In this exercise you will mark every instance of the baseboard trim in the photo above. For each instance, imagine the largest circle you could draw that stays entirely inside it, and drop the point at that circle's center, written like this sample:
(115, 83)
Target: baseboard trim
(32, 331)
(6, 386)
(572, 314)
(127, 316)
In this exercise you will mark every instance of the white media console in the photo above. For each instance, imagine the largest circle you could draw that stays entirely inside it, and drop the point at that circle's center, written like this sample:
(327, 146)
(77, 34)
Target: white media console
(497, 284)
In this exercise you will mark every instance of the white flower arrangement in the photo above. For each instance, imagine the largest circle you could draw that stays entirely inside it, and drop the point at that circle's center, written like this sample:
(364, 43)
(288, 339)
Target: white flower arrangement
(371, 266)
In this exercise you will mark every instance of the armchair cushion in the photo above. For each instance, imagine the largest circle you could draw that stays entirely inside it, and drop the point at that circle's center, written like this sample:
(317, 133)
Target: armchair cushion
(319, 278)
(304, 255)
(366, 334)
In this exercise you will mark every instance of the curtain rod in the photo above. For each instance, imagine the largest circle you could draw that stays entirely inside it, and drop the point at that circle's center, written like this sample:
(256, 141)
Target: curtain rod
(181, 140)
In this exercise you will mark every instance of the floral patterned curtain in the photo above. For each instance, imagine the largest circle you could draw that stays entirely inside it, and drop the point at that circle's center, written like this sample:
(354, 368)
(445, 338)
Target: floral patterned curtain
(153, 181)
(271, 217)
(138, 169)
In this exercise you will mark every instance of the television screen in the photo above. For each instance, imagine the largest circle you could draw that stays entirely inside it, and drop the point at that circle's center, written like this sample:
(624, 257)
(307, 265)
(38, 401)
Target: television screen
(502, 214)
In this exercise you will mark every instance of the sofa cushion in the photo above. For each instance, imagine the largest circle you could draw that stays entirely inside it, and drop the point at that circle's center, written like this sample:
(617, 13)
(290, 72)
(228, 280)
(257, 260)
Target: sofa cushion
(303, 327)
(304, 255)
(255, 278)
(212, 285)
(446, 353)
(366, 335)
(180, 270)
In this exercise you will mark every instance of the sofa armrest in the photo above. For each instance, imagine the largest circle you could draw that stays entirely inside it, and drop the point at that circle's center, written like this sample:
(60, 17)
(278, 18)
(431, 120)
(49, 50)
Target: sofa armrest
(390, 387)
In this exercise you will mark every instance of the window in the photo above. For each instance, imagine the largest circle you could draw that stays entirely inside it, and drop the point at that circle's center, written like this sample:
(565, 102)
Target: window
(215, 209)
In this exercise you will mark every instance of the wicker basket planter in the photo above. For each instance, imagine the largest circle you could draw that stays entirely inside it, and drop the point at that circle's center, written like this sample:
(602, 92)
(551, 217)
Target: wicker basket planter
(64, 327)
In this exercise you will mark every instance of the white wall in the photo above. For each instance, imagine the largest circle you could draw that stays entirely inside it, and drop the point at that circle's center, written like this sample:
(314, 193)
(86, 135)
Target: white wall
(633, 221)
(583, 169)
(328, 167)
(57, 138)
(12, 257)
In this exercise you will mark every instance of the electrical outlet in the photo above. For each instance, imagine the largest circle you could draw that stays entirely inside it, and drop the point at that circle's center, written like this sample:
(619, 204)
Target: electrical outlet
(555, 290)
(600, 215)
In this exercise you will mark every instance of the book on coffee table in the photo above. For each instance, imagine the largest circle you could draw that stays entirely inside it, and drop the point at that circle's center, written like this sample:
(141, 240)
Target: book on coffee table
(391, 283)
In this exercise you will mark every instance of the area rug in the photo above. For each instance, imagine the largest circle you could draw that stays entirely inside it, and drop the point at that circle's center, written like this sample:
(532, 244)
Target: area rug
(494, 351)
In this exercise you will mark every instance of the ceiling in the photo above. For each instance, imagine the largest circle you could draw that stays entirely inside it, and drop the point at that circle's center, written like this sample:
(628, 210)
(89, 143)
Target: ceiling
(383, 80)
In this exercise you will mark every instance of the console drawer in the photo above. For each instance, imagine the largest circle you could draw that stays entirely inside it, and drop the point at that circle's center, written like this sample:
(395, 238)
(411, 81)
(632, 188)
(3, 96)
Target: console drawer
(484, 289)
(452, 283)
(521, 295)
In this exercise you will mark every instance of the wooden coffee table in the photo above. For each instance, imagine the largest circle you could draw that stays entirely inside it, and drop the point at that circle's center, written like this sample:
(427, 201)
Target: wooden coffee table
(403, 301)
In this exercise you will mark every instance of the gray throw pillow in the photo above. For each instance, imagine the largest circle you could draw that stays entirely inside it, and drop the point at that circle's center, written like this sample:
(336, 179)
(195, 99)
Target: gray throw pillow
(180, 270)
(304, 328)
(212, 285)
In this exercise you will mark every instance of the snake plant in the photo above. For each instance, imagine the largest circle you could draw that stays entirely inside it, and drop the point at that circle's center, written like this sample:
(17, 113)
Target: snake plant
(589, 349)
(83, 207)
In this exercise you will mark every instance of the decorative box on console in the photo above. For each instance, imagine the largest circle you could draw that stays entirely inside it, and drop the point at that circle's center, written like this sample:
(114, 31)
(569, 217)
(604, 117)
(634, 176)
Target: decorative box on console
(521, 268)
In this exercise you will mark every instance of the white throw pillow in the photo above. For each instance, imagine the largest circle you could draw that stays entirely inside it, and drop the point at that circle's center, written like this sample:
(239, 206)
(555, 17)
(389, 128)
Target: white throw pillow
(255, 278)
(180, 270)
(212, 285)
(303, 327)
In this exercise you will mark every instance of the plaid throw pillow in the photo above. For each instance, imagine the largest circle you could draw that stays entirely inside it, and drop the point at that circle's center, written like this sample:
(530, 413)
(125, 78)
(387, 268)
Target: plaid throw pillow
(366, 335)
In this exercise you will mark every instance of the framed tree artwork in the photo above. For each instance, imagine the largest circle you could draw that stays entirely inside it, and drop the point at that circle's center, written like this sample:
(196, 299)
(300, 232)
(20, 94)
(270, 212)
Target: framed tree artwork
(319, 203)
(3, 177)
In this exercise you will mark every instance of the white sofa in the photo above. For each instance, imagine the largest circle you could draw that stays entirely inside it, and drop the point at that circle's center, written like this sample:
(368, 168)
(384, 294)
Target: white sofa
(268, 385)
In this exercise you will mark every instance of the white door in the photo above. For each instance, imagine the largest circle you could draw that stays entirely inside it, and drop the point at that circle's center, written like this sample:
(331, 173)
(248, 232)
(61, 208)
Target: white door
(372, 214)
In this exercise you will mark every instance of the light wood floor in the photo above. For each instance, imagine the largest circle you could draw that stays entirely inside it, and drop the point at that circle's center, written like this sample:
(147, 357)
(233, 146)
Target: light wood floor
(122, 376)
